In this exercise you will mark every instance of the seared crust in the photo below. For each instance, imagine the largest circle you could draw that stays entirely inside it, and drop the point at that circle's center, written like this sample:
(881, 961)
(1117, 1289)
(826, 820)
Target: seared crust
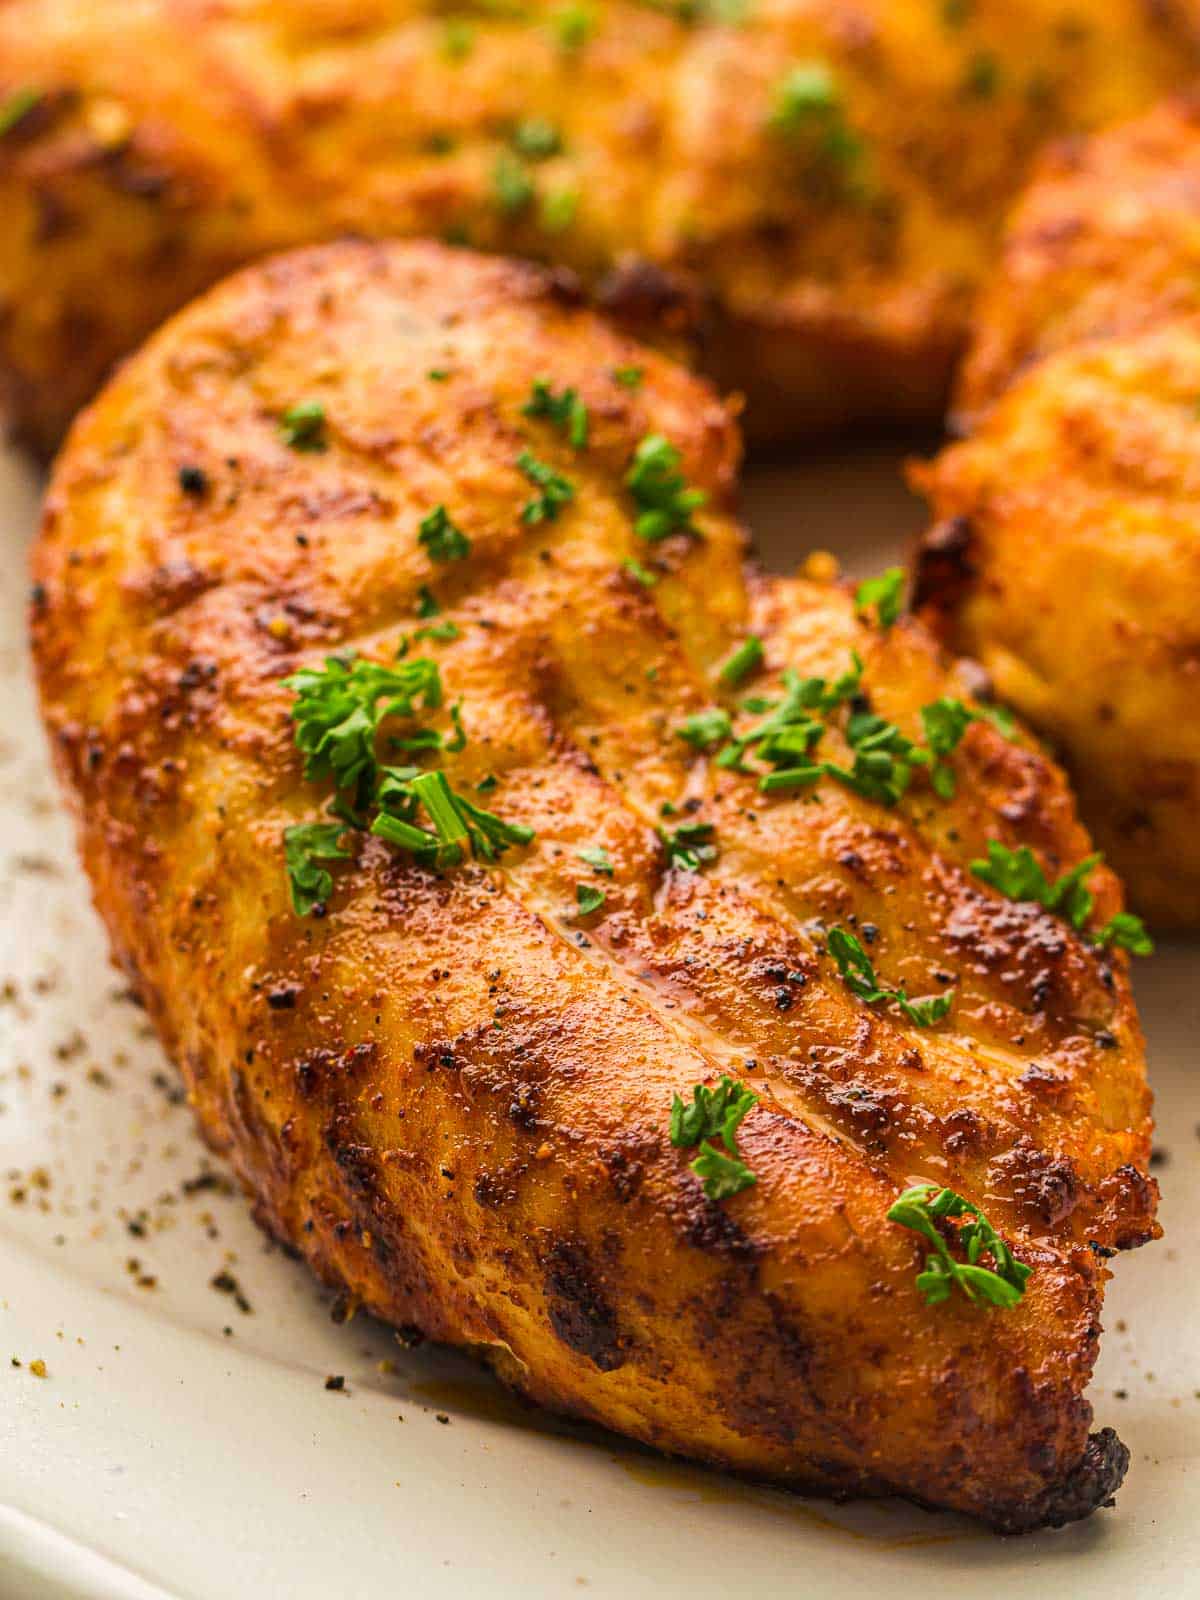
(1066, 551)
(1104, 243)
(450, 1093)
(836, 256)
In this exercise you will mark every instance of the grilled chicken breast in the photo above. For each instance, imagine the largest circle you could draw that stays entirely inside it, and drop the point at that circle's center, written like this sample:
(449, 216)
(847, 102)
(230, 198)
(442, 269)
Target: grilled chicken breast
(823, 179)
(448, 1077)
(1066, 550)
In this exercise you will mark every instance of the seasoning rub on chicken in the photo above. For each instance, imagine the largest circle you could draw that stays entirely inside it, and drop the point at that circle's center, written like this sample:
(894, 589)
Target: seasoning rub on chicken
(827, 178)
(665, 981)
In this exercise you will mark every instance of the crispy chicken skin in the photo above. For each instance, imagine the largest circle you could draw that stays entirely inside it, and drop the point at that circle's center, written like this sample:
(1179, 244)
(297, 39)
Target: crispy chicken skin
(1066, 550)
(451, 1091)
(825, 179)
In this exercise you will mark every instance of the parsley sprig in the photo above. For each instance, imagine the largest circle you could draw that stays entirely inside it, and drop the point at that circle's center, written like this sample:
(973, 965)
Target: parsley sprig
(565, 410)
(858, 974)
(1018, 875)
(441, 537)
(921, 1208)
(884, 596)
(339, 712)
(714, 1114)
(302, 427)
(690, 845)
(304, 845)
(661, 491)
(556, 491)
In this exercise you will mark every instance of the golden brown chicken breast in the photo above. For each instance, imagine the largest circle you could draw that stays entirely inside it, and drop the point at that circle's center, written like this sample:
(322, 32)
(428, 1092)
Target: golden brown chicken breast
(659, 979)
(825, 178)
(1066, 554)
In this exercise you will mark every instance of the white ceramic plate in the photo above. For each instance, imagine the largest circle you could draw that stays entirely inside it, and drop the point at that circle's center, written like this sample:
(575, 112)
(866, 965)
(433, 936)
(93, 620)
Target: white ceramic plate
(185, 1445)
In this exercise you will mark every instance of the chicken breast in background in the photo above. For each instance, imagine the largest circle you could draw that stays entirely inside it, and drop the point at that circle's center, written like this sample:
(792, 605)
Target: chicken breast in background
(1066, 550)
(572, 876)
(823, 180)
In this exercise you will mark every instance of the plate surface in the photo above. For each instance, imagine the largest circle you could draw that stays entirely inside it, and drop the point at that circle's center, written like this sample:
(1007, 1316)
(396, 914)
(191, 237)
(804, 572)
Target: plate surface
(183, 1442)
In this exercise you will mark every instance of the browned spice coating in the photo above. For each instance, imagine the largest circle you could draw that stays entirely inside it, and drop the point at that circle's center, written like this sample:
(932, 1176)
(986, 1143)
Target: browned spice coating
(827, 178)
(451, 1092)
(1066, 551)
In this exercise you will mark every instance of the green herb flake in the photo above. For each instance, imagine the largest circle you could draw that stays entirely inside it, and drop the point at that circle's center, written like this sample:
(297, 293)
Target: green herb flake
(303, 427)
(427, 603)
(439, 632)
(16, 107)
(438, 374)
(557, 210)
(642, 574)
(884, 594)
(921, 1209)
(745, 661)
(690, 846)
(573, 27)
(589, 897)
(441, 537)
(714, 1114)
(1018, 875)
(536, 139)
(304, 845)
(665, 502)
(705, 729)
(628, 377)
(1126, 932)
(512, 187)
(556, 491)
(340, 706)
(858, 974)
(808, 109)
(597, 857)
(565, 410)
(458, 39)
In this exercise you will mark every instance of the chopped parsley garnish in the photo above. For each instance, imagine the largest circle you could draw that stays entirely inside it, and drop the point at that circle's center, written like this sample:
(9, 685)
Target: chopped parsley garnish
(689, 846)
(921, 1208)
(438, 374)
(597, 857)
(536, 139)
(458, 824)
(628, 377)
(858, 974)
(982, 76)
(706, 728)
(427, 603)
(556, 209)
(1018, 875)
(304, 844)
(885, 594)
(512, 187)
(17, 107)
(660, 490)
(884, 759)
(1126, 932)
(557, 491)
(458, 39)
(440, 632)
(565, 410)
(644, 576)
(791, 729)
(745, 660)
(809, 109)
(589, 897)
(441, 537)
(573, 27)
(339, 709)
(714, 1114)
(303, 426)
(945, 722)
